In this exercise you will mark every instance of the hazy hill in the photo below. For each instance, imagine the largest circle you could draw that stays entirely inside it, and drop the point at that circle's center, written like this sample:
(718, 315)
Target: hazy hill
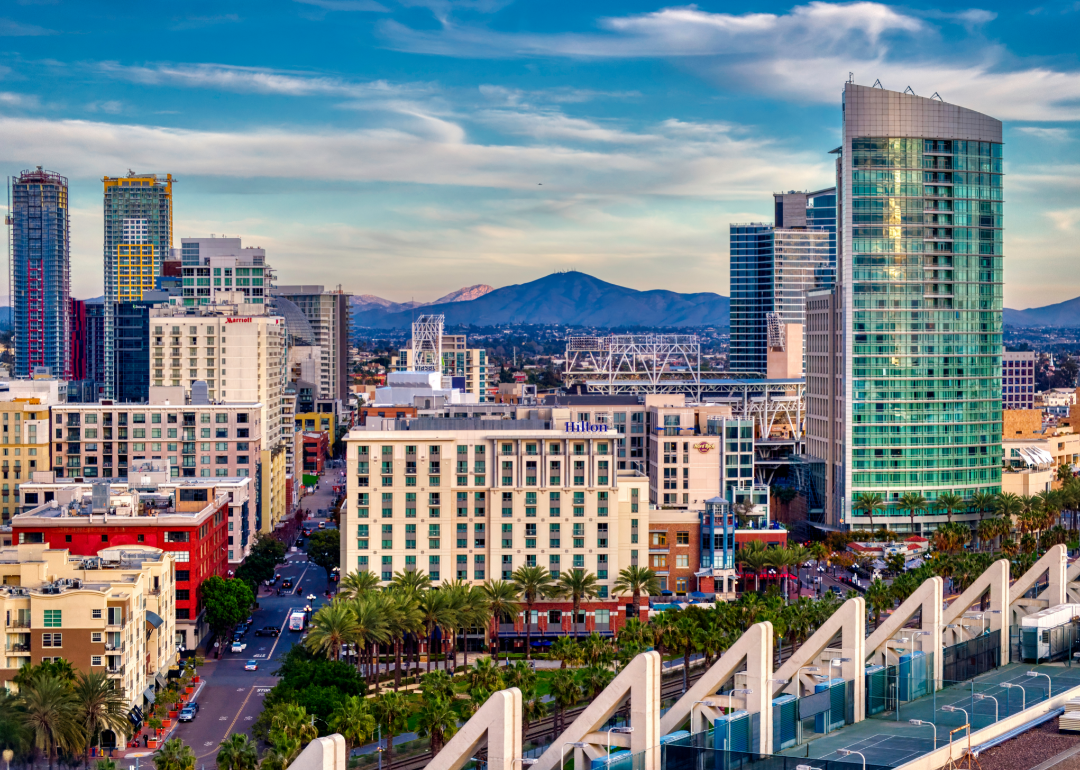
(1062, 314)
(567, 298)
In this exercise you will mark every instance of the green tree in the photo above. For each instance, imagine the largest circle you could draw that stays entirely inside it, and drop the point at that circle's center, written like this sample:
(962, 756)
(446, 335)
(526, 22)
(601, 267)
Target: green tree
(913, 503)
(354, 721)
(392, 711)
(754, 557)
(324, 549)
(533, 584)
(636, 581)
(869, 503)
(436, 720)
(357, 584)
(332, 627)
(566, 693)
(227, 602)
(502, 599)
(580, 586)
(878, 598)
(266, 553)
(238, 752)
(50, 710)
(101, 707)
(174, 755)
(948, 502)
(436, 611)
(566, 650)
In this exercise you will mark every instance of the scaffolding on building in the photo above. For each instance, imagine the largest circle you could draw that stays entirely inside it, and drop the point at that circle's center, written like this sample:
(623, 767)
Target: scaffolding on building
(427, 333)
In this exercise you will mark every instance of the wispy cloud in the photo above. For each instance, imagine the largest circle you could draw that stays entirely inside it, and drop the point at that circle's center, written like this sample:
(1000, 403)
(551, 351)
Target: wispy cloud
(1065, 219)
(19, 101)
(346, 5)
(254, 80)
(9, 28)
(109, 107)
(1050, 134)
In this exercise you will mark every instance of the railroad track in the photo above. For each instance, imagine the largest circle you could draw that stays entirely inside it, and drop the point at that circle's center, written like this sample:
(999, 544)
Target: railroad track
(670, 687)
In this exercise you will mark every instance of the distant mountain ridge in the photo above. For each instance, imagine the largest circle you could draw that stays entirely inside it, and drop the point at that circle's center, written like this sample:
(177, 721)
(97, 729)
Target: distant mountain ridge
(372, 302)
(565, 298)
(1060, 314)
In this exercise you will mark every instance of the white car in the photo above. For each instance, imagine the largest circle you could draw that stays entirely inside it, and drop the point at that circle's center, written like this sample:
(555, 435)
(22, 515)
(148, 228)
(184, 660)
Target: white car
(238, 646)
(251, 665)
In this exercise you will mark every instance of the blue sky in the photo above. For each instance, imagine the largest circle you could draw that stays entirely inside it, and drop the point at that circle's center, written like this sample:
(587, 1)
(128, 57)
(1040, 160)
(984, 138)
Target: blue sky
(406, 148)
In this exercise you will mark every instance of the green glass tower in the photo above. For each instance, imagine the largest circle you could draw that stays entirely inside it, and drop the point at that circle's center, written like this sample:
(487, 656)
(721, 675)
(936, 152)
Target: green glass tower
(912, 398)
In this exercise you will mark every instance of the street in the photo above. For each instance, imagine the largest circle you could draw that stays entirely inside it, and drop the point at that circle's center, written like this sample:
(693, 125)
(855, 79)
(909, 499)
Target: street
(231, 699)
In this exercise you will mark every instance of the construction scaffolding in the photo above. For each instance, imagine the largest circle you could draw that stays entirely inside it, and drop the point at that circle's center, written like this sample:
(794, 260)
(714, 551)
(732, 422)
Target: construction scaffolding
(427, 333)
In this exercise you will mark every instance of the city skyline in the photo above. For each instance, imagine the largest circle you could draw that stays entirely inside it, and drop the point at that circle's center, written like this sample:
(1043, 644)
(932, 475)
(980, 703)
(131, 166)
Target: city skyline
(408, 149)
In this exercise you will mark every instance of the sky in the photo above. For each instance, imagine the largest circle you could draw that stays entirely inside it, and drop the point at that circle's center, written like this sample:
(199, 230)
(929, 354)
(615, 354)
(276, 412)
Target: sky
(407, 148)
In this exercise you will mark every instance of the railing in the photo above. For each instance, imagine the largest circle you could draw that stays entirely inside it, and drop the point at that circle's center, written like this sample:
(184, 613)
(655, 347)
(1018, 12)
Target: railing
(18, 623)
(18, 648)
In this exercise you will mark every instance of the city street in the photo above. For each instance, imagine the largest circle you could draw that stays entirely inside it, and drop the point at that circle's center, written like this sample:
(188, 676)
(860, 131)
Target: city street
(231, 699)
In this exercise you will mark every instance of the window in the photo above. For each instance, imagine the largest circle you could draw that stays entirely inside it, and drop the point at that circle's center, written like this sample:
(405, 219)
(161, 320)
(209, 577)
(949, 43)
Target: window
(52, 640)
(658, 538)
(682, 561)
(658, 560)
(682, 538)
(387, 535)
(95, 614)
(52, 618)
(554, 535)
(183, 594)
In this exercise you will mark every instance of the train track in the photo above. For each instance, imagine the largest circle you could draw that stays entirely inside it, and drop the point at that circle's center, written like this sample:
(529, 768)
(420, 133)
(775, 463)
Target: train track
(670, 687)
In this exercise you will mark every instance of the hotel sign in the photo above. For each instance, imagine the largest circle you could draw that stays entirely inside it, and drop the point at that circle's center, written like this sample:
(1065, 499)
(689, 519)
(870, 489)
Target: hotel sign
(585, 427)
(704, 447)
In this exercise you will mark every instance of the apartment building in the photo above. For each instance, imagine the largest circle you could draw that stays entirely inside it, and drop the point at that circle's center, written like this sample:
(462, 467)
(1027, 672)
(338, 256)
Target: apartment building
(213, 265)
(25, 445)
(1018, 379)
(461, 501)
(467, 366)
(188, 519)
(684, 465)
(239, 350)
(110, 613)
(328, 314)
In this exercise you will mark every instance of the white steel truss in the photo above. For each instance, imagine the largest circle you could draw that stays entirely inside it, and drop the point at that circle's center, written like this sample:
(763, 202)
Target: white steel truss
(647, 358)
(427, 332)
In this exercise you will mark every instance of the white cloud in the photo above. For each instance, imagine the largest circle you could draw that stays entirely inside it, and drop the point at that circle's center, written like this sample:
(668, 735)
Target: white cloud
(19, 101)
(1050, 134)
(1065, 219)
(253, 80)
(9, 28)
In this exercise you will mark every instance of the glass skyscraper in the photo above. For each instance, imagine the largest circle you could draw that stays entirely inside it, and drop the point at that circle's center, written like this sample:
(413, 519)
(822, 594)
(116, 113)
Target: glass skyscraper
(41, 272)
(916, 400)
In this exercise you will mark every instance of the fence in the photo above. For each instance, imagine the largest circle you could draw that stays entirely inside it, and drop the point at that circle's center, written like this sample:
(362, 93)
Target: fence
(972, 658)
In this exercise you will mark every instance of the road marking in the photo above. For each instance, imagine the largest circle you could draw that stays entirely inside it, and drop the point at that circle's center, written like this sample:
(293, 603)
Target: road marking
(240, 689)
(208, 743)
(248, 718)
(259, 656)
(222, 718)
(233, 724)
(280, 632)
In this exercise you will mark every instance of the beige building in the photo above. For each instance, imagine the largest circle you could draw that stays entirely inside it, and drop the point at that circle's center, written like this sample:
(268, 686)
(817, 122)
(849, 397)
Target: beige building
(239, 351)
(25, 445)
(111, 613)
(684, 463)
(474, 504)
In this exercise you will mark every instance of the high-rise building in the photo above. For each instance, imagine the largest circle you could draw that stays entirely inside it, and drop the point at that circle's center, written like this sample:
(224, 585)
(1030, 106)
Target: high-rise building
(138, 237)
(132, 347)
(212, 265)
(904, 356)
(772, 269)
(41, 272)
(1018, 380)
(813, 210)
(328, 314)
(468, 366)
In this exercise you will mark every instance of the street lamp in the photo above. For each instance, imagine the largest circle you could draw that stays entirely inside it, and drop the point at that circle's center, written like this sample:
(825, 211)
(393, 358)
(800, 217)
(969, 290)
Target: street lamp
(951, 709)
(8, 756)
(727, 742)
(695, 704)
(525, 762)
(562, 751)
(806, 767)
(849, 752)
(981, 696)
(1023, 700)
(1049, 682)
(921, 723)
(798, 687)
(626, 730)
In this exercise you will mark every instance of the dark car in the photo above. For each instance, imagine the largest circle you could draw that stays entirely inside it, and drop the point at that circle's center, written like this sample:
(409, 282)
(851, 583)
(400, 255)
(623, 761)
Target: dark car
(194, 704)
(267, 631)
(287, 583)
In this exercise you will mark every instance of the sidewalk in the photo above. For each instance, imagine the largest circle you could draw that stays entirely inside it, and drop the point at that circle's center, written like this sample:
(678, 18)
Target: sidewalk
(147, 752)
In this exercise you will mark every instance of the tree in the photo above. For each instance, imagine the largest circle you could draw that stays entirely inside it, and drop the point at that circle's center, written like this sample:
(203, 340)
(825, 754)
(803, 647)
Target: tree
(411, 581)
(636, 581)
(51, 713)
(566, 692)
(403, 620)
(266, 553)
(502, 599)
(436, 611)
(372, 626)
(358, 583)
(238, 752)
(436, 720)
(878, 598)
(324, 549)
(332, 627)
(228, 602)
(948, 502)
(392, 712)
(579, 585)
(533, 584)
(869, 503)
(101, 707)
(353, 719)
(565, 650)
(913, 503)
(174, 755)
(753, 557)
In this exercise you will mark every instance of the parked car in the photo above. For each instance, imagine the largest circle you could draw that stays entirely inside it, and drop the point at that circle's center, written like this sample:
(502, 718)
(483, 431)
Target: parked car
(238, 646)
(187, 714)
(251, 665)
(267, 631)
(194, 704)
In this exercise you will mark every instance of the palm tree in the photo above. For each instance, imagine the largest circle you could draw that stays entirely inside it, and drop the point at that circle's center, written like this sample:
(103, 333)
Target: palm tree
(437, 720)
(101, 706)
(174, 755)
(332, 627)
(566, 650)
(357, 584)
(502, 599)
(371, 625)
(238, 752)
(636, 581)
(797, 556)
(948, 502)
(1008, 505)
(51, 712)
(392, 711)
(913, 503)
(566, 693)
(753, 556)
(403, 620)
(869, 503)
(983, 503)
(436, 611)
(413, 581)
(352, 718)
(986, 531)
(475, 613)
(878, 598)
(533, 583)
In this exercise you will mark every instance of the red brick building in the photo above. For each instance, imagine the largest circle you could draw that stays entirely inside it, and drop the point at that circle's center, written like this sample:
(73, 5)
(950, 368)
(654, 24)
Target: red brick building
(316, 449)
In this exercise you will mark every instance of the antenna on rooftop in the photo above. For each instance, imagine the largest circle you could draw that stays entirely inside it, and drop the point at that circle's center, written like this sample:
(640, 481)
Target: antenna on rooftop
(851, 77)
(877, 84)
(909, 90)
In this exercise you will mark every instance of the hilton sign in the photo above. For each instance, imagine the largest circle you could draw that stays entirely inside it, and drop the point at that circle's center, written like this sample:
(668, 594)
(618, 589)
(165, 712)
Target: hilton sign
(585, 427)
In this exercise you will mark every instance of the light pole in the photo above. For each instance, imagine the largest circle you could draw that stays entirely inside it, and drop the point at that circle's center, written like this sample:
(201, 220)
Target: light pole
(10, 755)
(901, 640)
(921, 723)
(695, 705)
(977, 616)
(849, 752)
(525, 762)
(562, 751)
(727, 742)
(967, 719)
(1049, 682)
(798, 686)
(626, 730)
(806, 767)
(1023, 697)
(981, 696)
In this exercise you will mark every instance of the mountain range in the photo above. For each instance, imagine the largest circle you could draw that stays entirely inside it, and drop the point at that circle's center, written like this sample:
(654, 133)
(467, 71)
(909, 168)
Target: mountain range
(560, 298)
(1061, 314)
(371, 302)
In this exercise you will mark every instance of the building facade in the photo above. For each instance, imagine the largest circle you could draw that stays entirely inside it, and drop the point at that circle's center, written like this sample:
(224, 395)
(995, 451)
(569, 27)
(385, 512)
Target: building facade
(112, 614)
(328, 314)
(917, 405)
(138, 237)
(25, 436)
(465, 364)
(1018, 380)
(212, 265)
(41, 273)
